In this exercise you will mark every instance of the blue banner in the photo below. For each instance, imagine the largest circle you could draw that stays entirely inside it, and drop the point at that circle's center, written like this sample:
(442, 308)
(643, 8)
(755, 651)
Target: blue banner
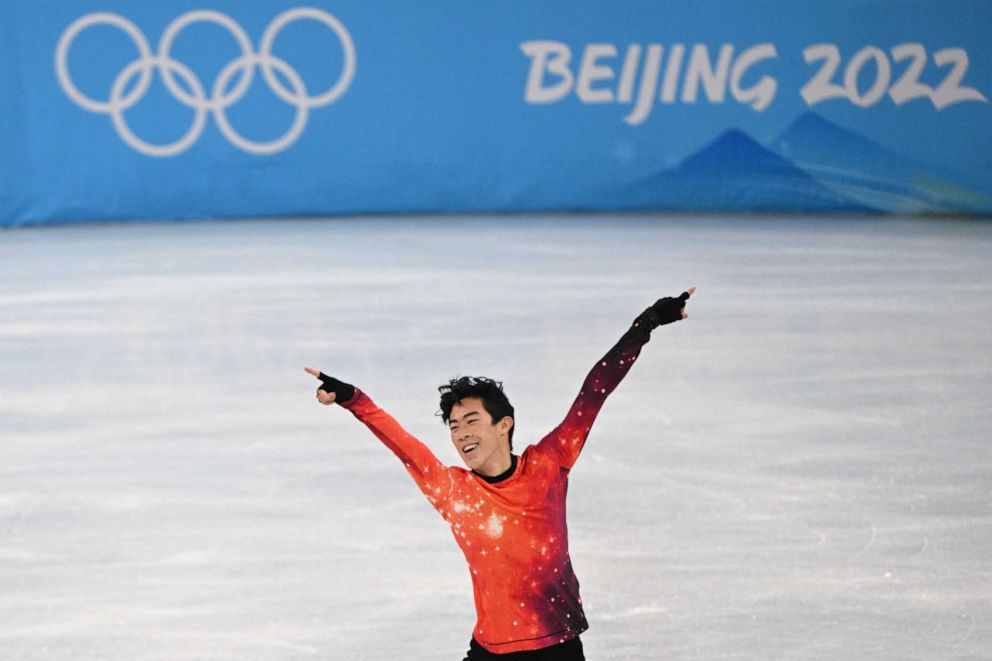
(125, 110)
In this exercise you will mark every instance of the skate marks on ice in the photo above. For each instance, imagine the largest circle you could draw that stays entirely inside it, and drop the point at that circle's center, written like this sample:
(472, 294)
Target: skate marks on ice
(798, 471)
(813, 539)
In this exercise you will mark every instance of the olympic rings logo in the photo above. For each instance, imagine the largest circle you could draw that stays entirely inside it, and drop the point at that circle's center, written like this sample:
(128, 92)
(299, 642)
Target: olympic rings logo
(195, 96)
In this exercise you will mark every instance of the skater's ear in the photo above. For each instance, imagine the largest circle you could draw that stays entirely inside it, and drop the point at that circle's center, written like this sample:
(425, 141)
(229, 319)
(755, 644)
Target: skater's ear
(504, 425)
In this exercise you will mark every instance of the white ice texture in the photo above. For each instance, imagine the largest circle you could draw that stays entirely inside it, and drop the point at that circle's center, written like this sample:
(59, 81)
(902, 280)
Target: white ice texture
(801, 470)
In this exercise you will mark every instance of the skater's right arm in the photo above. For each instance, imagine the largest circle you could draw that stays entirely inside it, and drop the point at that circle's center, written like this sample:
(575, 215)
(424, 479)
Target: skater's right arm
(427, 471)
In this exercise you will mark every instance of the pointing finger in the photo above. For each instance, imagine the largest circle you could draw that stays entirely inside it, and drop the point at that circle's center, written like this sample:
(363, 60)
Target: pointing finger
(312, 372)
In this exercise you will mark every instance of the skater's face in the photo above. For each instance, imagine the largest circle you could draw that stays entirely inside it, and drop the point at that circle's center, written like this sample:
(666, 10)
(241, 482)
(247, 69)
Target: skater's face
(484, 445)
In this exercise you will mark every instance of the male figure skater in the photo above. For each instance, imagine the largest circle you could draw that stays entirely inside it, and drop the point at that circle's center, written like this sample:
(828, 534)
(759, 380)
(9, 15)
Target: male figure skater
(507, 512)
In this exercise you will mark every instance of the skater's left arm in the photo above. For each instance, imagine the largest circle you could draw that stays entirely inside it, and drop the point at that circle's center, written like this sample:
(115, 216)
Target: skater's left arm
(567, 439)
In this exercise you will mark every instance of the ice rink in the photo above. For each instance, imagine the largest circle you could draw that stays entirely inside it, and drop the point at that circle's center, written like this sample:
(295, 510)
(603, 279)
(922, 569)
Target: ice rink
(801, 470)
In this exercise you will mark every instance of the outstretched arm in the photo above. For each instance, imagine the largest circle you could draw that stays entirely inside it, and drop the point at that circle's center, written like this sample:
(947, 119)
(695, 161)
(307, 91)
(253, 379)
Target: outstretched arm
(567, 439)
(427, 471)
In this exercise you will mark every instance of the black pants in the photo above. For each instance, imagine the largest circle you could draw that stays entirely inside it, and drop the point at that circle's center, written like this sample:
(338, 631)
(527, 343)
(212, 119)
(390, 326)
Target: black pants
(568, 651)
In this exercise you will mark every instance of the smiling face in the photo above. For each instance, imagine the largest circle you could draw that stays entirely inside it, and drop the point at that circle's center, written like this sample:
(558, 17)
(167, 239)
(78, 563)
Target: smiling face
(484, 445)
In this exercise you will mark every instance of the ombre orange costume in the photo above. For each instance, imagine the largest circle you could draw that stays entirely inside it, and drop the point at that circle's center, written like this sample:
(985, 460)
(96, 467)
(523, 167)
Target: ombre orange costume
(513, 531)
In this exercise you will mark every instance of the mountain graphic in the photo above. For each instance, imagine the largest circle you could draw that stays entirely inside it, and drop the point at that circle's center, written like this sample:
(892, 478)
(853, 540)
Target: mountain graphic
(859, 169)
(736, 172)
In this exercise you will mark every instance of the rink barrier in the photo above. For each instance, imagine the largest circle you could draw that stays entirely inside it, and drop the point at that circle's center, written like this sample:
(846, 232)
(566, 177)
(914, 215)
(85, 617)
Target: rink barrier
(122, 110)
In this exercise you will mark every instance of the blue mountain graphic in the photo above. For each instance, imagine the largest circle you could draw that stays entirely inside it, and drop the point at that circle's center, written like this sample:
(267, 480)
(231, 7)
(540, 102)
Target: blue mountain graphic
(859, 169)
(735, 172)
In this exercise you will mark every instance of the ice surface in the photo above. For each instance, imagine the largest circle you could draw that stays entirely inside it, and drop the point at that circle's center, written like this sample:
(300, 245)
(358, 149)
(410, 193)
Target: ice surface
(801, 470)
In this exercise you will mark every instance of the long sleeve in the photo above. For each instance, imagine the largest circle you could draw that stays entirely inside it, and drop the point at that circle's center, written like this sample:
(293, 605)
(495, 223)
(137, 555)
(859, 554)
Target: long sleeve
(568, 438)
(426, 470)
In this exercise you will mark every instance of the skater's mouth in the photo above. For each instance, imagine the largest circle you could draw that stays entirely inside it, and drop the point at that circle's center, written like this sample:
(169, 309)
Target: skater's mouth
(469, 448)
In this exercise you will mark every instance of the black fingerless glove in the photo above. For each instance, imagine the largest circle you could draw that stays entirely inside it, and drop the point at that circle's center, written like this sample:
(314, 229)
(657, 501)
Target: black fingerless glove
(664, 311)
(342, 391)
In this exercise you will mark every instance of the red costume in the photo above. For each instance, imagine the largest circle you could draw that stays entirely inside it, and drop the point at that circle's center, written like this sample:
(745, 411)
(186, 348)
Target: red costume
(513, 532)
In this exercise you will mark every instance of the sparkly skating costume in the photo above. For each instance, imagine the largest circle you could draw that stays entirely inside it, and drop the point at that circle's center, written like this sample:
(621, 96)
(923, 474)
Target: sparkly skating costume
(512, 530)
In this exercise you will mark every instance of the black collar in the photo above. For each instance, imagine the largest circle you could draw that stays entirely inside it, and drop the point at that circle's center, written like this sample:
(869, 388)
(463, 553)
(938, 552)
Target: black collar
(502, 476)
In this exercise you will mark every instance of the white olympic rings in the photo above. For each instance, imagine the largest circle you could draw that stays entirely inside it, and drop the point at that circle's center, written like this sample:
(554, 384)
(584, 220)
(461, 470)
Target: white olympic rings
(195, 96)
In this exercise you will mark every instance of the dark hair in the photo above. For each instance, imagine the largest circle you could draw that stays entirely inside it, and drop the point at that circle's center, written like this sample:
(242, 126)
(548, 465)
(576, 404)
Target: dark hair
(488, 390)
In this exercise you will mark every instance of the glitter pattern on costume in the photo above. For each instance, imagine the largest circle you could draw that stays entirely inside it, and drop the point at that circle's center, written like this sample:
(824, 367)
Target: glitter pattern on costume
(513, 532)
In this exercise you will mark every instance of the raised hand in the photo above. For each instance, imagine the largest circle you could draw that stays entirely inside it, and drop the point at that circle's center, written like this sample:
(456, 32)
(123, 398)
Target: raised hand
(669, 309)
(331, 390)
